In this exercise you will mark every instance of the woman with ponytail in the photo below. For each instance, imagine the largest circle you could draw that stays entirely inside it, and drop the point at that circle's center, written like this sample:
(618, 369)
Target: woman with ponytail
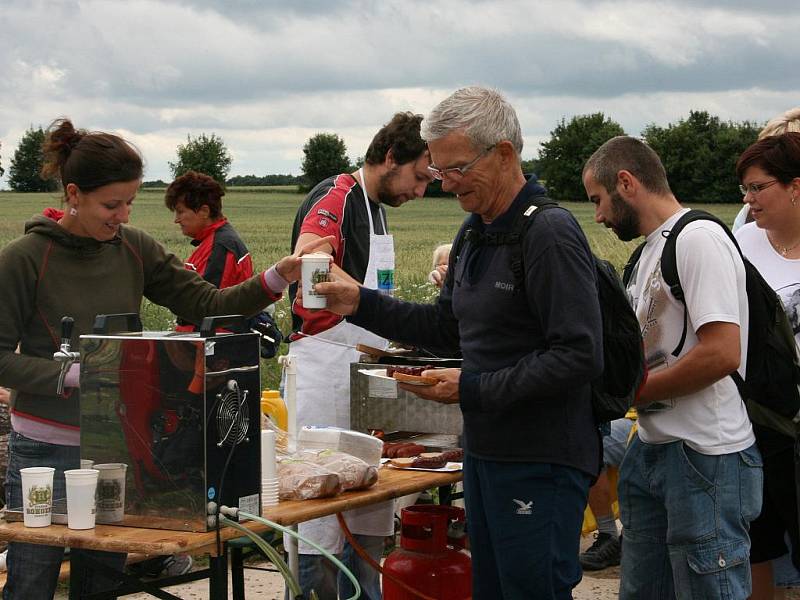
(82, 262)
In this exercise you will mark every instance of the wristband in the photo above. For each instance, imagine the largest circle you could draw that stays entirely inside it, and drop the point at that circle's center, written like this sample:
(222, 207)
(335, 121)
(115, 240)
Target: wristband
(274, 281)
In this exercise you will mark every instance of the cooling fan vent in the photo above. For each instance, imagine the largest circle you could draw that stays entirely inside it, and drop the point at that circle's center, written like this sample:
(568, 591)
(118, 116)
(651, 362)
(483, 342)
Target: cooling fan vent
(233, 419)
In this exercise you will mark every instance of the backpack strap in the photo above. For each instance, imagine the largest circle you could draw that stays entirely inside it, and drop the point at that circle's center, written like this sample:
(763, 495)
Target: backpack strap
(522, 221)
(627, 272)
(669, 262)
(513, 238)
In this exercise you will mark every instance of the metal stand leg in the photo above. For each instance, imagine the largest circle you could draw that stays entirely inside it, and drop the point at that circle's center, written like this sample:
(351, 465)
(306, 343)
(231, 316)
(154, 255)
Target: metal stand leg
(292, 553)
(445, 494)
(218, 576)
(237, 573)
(76, 574)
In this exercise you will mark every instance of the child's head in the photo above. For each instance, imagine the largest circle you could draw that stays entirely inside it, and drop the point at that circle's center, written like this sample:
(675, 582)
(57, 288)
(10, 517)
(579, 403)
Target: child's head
(441, 255)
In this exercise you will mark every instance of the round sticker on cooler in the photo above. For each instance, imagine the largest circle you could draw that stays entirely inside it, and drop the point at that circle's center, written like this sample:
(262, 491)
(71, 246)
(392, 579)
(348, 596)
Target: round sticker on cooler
(211, 493)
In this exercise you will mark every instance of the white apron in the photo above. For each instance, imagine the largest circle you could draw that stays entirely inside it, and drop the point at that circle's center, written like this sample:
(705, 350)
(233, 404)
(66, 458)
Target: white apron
(323, 391)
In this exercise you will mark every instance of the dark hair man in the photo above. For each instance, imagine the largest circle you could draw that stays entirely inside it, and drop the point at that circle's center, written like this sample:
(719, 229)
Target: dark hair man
(691, 478)
(531, 443)
(349, 206)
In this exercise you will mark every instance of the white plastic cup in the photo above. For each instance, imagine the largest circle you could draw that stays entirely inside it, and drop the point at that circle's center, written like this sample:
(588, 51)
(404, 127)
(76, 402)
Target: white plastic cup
(37, 496)
(111, 492)
(316, 268)
(269, 469)
(81, 497)
(86, 463)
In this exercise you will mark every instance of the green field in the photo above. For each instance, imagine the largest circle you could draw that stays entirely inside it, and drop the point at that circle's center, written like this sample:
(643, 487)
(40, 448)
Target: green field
(264, 216)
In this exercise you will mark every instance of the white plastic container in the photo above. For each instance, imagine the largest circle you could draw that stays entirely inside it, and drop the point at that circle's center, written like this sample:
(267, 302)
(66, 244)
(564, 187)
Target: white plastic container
(37, 496)
(81, 497)
(111, 492)
(361, 445)
(315, 269)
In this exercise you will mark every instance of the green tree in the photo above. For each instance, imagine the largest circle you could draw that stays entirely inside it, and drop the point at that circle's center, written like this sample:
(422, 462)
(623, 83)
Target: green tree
(203, 154)
(700, 153)
(530, 166)
(562, 157)
(26, 165)
(2, 171)
(325, 154)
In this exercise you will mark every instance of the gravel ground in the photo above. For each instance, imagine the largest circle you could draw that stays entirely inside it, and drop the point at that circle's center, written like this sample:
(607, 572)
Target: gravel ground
(598, 585)
(261, 585)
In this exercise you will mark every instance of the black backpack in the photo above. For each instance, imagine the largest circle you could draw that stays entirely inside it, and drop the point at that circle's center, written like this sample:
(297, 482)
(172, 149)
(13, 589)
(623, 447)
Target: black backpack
(770, 387)
(615, 391)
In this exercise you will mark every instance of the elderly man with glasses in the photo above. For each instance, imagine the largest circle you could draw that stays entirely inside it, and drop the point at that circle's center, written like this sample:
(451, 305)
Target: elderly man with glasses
(531, 343)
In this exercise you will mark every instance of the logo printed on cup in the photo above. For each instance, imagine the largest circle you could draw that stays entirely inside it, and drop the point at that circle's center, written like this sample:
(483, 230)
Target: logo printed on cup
(109, 494)
(40, 499)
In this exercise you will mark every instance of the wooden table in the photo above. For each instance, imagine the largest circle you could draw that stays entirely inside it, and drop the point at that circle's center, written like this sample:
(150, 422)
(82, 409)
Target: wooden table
(392, 483)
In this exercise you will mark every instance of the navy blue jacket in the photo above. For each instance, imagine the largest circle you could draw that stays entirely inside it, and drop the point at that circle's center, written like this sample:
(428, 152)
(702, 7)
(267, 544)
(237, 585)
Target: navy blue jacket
(529, 357)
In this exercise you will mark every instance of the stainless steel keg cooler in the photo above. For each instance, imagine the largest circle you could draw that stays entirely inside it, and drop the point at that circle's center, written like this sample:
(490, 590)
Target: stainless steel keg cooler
(180, 409)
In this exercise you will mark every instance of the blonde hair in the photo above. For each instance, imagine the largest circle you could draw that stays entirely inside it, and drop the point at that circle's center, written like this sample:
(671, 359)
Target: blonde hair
(788, 122)
(441, 253)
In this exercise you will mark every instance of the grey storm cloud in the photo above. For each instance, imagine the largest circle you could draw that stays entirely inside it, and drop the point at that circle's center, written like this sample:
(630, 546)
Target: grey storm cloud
(160, 68)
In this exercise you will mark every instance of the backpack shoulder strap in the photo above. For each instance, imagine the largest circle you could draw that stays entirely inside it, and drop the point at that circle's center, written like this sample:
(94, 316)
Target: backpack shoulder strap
(522, 221)
(669, 263)
(627, 272)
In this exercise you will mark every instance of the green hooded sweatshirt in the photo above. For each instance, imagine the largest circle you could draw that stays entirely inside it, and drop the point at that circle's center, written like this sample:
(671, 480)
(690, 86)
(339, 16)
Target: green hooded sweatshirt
(49, 273)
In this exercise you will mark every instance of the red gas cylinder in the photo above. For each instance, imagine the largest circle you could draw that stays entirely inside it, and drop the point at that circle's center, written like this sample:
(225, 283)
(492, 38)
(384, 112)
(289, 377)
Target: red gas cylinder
(428, 560)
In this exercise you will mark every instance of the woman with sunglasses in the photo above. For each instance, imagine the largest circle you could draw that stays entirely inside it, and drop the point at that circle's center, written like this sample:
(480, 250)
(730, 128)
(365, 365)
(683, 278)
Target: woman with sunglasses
(769, 172)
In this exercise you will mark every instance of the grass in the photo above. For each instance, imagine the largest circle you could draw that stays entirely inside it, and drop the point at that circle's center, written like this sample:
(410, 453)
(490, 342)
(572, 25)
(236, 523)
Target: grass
(264, 216)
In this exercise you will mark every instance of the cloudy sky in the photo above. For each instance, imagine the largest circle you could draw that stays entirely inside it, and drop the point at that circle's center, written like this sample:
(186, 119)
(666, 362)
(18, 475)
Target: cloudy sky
(266, 75)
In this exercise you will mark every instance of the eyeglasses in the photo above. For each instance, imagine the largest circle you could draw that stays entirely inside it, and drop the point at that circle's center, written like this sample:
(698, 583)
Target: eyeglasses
(457, 173)
(754, 188)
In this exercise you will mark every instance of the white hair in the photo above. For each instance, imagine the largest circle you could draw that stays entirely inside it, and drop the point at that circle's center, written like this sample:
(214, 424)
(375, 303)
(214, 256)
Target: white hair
(482, 114)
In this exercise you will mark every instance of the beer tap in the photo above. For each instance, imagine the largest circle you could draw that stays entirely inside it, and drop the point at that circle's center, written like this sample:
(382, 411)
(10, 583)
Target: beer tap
(64, 355)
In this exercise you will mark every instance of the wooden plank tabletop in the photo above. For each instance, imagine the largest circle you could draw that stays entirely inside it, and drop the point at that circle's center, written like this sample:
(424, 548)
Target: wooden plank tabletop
(392, 483)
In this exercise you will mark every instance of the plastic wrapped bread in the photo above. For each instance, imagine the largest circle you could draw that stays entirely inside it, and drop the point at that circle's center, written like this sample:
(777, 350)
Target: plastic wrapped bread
(301, 479)
(353, 472)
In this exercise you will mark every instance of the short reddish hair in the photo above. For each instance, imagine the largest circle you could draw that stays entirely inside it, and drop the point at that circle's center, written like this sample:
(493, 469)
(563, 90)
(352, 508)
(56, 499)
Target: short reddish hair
(195, 190)
(778, 155)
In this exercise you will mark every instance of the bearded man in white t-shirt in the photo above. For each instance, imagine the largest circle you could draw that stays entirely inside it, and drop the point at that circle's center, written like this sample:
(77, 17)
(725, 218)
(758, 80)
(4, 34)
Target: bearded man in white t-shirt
(691, 480)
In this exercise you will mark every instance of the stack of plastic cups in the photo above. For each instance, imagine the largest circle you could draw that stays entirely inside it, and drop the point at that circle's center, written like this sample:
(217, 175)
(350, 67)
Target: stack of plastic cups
(269, 471)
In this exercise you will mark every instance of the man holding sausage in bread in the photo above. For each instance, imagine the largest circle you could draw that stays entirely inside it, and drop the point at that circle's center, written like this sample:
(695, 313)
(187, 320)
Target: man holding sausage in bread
(531, 443)
(350, 206)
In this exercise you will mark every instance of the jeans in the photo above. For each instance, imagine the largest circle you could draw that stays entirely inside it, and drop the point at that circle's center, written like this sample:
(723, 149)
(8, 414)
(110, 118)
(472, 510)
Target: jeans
(686, 517)
(525, 523)
(320, 574)
(616, 442)
(32, 568)
(368, 578)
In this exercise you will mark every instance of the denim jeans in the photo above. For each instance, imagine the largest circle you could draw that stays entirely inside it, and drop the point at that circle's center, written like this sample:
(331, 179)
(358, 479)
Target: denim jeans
(368, 578)
(686, 517)
(616, 442)
(32, 568)
(316, 572)
(320, 574)
(524, 522)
